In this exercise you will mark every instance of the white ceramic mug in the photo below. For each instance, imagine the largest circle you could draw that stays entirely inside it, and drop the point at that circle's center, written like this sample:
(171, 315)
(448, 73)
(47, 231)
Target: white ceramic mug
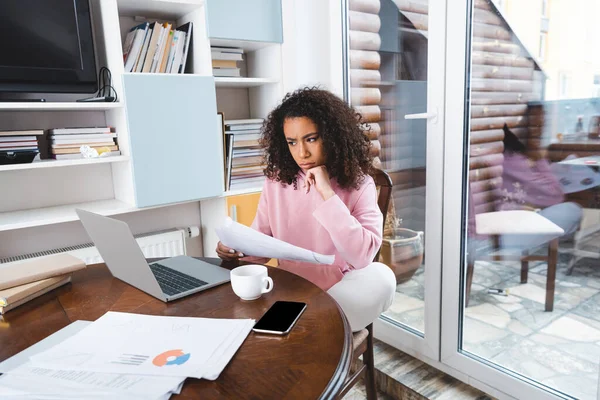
(249, 282)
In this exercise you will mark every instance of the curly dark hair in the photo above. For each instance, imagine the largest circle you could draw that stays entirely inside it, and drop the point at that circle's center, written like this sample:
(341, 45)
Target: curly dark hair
(347, 148)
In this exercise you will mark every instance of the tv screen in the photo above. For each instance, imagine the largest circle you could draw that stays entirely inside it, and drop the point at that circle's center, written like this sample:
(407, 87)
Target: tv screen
(46, 46)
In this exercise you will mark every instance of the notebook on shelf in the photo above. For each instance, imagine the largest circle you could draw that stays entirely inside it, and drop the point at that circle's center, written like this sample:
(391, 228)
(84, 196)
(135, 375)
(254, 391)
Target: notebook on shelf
(19, 295)
(23, 272)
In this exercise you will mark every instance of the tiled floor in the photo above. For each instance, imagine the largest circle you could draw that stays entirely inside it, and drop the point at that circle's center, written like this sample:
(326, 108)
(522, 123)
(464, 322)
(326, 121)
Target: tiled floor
(560, 349)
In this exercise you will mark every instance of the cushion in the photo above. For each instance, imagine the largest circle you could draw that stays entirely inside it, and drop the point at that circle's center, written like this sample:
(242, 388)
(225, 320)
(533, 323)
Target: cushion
(519, 222)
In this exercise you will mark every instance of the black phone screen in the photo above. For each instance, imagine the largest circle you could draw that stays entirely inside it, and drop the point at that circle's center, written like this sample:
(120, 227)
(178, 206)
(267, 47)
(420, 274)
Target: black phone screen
(280, 316)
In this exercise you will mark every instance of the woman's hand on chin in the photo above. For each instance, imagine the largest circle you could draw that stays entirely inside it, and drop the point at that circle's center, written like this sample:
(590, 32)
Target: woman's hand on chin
(318, 178)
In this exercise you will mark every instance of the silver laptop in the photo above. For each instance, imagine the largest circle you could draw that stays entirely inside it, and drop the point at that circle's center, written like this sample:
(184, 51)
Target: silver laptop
(168, 279)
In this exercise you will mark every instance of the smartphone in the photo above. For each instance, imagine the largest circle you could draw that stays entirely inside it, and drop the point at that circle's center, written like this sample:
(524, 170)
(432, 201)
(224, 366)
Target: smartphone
(280, 318)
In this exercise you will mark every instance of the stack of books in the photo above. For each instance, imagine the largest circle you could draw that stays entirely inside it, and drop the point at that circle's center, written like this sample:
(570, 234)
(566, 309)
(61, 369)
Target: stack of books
(23, 281)
(66, 143)
(19, 147)
(245, 167)
(225, 59)
(157, 47)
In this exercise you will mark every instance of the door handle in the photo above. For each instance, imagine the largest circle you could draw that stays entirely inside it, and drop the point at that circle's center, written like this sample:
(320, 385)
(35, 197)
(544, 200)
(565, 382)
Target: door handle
(431, 116)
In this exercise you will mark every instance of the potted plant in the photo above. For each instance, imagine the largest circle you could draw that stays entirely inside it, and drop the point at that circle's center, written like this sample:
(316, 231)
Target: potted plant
(401, 250)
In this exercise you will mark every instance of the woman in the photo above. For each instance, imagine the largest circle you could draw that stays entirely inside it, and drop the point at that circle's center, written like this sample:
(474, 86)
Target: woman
(318, 195)
(529, 183)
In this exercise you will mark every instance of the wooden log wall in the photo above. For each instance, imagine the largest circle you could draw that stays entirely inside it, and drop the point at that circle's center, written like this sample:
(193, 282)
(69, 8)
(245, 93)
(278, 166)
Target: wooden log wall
(502, 82)
(365, 61)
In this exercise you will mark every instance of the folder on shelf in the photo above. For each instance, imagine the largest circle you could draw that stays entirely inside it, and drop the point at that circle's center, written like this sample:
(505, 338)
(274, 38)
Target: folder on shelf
(21, 156)
(187, 29)
(22, 272)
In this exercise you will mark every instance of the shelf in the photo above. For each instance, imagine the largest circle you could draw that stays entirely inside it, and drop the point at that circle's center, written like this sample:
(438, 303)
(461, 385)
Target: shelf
(63, 163)
(158, 9)
(243, 82)
(59, 106)
(241, 44)
(237, 192)
(65, 213)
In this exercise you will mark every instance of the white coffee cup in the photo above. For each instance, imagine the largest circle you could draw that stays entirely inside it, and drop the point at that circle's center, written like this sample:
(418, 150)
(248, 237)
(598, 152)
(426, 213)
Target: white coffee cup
(249, 282)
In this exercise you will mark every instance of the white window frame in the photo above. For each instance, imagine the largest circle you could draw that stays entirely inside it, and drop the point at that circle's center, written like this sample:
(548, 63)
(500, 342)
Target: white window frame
(427, 347)
(477, 373)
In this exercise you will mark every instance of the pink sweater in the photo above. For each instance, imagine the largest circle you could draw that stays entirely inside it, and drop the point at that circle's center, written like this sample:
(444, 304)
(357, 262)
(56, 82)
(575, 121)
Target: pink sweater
(347, 225)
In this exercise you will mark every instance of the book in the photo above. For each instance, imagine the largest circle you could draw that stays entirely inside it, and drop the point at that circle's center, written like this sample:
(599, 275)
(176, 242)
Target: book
(226, 72)
(18, 295)
(223, 49)
(77, 139)
(152, 46)
(187, 28)
(139, 63)
(21, 272)
(136, 35)
(25, 143)
(178, 53)
(247, 127)
(83, 130)
(224, 64)
(253, 121)
(166, 52)
(78, 156)
(36, 132)
(160, 48)
(78, 145)
(71, 150)
(217, 55)
(6, 139)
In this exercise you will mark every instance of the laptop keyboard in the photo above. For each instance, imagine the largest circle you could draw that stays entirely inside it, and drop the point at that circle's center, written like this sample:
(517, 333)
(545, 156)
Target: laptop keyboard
(174, 282)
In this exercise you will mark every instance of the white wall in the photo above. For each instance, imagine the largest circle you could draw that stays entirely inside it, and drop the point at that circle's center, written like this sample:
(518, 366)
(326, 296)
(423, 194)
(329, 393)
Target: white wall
(312, 44)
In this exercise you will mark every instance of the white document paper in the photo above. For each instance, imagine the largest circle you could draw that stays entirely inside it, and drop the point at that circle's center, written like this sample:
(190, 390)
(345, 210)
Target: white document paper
(21, 380)
(143, 386)
(43, 345)
(219, 360)
(142, 344)
(253, 243)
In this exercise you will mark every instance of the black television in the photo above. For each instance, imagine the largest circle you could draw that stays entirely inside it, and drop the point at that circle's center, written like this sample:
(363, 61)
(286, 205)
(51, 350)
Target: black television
(46, 46)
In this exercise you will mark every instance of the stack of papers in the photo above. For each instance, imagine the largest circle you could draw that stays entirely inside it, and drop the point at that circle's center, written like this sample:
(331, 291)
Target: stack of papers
(126, 356)
(251, 242)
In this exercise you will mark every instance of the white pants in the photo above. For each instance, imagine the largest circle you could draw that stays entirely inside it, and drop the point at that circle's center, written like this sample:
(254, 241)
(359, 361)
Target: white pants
(363, 294)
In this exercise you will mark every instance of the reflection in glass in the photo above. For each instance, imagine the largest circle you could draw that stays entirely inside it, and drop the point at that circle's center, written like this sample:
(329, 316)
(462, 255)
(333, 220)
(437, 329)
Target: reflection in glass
(388, 80)
(532, 281)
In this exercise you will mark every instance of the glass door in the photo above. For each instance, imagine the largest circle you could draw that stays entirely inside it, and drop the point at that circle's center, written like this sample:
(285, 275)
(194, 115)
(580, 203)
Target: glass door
(395, 59)
(521, 250)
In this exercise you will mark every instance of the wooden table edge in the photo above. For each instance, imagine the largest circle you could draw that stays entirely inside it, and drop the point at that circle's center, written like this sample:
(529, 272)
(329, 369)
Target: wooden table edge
(336, 383)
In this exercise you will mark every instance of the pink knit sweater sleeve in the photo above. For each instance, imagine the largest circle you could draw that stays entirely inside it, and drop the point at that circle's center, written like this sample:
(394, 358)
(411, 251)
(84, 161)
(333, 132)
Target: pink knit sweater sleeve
(356, 233)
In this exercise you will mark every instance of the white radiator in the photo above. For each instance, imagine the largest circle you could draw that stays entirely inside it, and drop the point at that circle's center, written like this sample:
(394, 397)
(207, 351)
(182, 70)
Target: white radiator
(167, 243)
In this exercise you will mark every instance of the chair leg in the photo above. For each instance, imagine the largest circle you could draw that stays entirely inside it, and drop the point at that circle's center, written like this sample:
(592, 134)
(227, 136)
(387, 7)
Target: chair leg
(369, 361)
(551, 275)
(470, 271)
(524, 267)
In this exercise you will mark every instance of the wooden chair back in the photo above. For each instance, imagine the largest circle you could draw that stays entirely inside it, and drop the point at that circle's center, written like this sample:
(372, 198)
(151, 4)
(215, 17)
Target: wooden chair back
(384, 184)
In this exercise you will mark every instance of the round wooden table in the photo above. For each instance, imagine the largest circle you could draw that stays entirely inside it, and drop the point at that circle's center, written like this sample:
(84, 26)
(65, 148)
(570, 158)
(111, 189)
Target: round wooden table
(311, 362)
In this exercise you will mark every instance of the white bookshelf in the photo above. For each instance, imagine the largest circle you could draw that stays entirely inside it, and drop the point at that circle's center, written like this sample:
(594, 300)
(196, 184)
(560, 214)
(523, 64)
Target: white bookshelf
(60, 106)
(238, 192)
(59, 214)
(242, 82)
(63, 163)
(47, 192)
